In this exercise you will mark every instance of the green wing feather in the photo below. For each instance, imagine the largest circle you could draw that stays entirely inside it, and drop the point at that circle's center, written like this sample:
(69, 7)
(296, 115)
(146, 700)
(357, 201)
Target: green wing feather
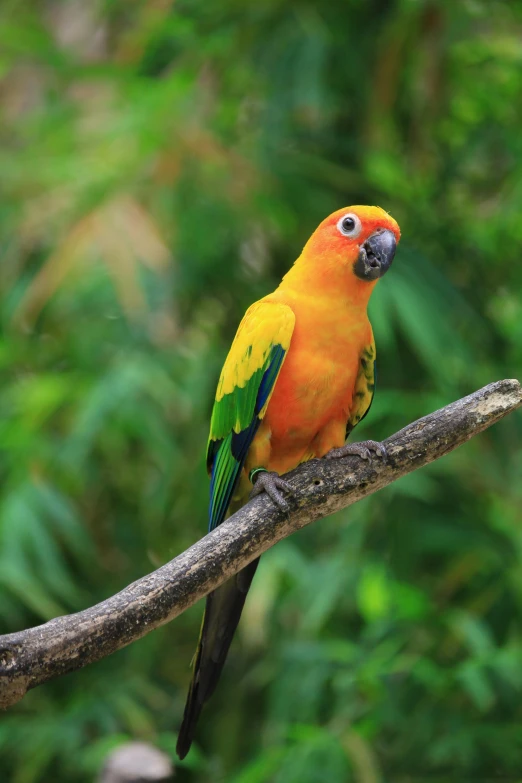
(244, 389)
(364, 387)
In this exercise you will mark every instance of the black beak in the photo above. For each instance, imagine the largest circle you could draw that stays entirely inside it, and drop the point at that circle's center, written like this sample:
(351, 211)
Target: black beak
(376, 255)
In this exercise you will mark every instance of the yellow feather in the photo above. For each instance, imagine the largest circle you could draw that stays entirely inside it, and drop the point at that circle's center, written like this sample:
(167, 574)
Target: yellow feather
(265, 324)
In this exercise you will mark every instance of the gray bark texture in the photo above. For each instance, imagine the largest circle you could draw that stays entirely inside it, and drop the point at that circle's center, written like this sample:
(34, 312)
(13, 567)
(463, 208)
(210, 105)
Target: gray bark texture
(31, 657)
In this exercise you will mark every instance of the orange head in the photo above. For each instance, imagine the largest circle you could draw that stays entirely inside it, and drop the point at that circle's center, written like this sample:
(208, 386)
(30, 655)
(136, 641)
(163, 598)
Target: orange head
(349, 251)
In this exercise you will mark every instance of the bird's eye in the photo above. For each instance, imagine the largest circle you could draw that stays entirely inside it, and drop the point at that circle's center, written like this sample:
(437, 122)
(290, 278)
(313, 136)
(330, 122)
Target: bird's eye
(349, 226)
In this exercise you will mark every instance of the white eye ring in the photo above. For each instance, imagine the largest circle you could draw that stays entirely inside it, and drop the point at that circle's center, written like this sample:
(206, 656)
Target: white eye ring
(349, 225)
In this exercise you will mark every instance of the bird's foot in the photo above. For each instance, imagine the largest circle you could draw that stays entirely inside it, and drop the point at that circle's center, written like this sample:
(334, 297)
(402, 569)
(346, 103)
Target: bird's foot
(274, 486)
(366, 449)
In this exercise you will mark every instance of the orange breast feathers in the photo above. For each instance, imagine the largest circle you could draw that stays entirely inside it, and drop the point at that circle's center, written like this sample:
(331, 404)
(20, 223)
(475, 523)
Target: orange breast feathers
(313, 395)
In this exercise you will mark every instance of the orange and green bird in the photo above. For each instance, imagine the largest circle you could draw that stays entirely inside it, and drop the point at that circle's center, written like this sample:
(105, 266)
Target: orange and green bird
(299, 376)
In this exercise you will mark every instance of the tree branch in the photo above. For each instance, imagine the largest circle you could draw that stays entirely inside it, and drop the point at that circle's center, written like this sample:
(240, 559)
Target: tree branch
(29, 658)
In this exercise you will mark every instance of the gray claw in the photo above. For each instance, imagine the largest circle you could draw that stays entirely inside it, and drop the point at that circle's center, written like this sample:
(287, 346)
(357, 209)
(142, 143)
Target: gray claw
(272, 484)
(363, 450)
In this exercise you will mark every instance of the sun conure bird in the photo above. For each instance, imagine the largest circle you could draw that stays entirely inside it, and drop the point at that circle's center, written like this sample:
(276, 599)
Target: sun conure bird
(298, 378)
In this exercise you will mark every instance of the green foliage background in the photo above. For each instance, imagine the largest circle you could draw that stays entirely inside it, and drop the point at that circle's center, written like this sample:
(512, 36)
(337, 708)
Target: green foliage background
(161, 166)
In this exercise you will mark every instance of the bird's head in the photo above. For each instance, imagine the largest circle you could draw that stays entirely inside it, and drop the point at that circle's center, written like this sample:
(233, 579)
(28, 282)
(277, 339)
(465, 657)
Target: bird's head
(352, 247)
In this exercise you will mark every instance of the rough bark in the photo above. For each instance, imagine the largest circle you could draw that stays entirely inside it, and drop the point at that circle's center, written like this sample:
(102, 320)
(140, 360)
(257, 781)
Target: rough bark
(29, 658)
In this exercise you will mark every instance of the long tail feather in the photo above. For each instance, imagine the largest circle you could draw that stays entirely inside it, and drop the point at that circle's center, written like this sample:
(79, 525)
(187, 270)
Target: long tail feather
(222, 613)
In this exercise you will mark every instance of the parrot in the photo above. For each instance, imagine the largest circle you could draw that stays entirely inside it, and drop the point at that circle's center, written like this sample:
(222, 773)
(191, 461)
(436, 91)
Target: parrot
(299, 376)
